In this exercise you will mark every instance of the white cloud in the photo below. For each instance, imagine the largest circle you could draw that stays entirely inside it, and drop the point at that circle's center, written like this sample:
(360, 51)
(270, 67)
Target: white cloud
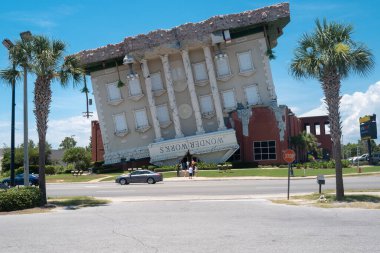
(78, 126)
(352, 108)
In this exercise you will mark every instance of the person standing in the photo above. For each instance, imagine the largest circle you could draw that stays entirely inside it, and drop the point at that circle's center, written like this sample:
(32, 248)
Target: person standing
(195, 168)
(191, 170)
(184, 168)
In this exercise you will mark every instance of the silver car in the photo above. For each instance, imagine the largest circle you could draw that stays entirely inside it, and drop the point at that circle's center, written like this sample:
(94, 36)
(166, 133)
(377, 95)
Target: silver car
(139, 176)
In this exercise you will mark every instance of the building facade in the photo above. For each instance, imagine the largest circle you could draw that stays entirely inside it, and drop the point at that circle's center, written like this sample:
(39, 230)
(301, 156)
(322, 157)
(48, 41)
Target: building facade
(319, 126)
(201, 89)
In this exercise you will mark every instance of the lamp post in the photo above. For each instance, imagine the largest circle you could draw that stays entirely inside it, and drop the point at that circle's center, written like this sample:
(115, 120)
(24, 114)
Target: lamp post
(25, 37)
(9, 45)
(289, 138)
(290, 169)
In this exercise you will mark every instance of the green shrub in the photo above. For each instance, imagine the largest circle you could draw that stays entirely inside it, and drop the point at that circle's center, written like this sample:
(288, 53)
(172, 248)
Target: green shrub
(19, 198)
(346, 164)
(166, 168)
(50, 169)
(98, 164)
(108, 168)
(242, 165)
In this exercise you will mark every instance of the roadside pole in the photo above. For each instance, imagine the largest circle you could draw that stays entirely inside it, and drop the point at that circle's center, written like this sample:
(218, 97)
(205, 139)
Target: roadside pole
(289, 156)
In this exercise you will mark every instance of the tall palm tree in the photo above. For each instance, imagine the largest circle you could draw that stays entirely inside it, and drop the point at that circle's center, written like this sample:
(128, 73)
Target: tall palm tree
(9, 76)
(48, 64)
(329, 55)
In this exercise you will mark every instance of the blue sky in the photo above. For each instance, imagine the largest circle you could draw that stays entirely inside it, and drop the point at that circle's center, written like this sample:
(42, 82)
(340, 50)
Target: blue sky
(91, 24)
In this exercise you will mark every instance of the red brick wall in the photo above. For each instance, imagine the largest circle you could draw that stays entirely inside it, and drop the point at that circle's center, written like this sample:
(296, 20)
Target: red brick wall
(262, 127)
(324, 139)
(96, 142)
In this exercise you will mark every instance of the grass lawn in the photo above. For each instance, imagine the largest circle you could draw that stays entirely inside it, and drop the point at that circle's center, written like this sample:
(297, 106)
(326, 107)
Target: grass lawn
(259, 172)
(280, 172)
(77, 202)
(64, 178)
(368, 199)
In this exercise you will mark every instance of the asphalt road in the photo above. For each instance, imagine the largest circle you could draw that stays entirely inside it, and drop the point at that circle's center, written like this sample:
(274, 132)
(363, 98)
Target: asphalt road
(218, 226)
(188, 189)
(220, 216)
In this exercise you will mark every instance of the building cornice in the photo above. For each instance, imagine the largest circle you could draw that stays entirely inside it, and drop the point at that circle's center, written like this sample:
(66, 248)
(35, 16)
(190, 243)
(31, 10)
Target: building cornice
(275, 17)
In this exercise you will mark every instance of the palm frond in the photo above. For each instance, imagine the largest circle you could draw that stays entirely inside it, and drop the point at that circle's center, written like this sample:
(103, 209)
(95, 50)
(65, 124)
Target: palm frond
(10, 75)
(330, 47)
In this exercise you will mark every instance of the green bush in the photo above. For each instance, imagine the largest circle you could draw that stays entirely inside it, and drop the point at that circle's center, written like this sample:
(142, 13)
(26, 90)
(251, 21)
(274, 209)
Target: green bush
(166, 168)
(50, 169)
(108, 168)
(241, 165)
(19, 198)
(346, 163)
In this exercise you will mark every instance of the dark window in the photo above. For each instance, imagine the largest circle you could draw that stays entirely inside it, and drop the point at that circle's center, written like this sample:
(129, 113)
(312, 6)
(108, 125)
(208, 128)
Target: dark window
(264, 150)
(235, 156)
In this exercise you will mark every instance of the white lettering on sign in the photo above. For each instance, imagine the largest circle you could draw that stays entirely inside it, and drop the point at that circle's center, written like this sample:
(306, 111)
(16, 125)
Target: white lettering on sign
(196, 144)
(191, 145)
(290, 156)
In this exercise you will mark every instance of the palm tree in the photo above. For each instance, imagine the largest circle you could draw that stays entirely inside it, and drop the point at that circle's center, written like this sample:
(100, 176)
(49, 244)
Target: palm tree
(9, 76)
(48, 64)
(304, 143)
(329, 55)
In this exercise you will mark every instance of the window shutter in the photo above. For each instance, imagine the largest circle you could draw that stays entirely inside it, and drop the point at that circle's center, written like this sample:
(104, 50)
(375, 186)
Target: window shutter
(252, 95)
(114, 92)
(120, 122)
(245, 62)
(206, 104)
(134, 87)
(200, 71)
(222, 66)
(178, 73)
(156, 81)
(162, 113)
(141, 118)
(229, 99)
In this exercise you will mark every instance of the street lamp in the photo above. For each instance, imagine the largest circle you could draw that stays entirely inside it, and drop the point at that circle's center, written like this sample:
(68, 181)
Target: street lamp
(290, 169)
(25, 37)
(9, 45)
(290, 114)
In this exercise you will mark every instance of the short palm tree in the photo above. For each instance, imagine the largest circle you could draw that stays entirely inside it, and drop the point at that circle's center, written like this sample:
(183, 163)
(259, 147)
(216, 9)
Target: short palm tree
(329, 55)
(48, 64)
(304, 142)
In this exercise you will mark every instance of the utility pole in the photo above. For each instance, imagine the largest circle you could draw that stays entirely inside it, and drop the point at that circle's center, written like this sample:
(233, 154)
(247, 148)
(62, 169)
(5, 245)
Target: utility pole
(9, 45)
(25, 37)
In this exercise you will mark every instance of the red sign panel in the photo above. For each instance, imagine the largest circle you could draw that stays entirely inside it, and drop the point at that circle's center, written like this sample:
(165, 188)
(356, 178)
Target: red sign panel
(288, 155)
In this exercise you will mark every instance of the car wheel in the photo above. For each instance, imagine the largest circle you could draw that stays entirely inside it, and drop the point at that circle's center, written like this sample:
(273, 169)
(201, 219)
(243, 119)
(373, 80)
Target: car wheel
(123, 181)
(151, 181)
(6, 184)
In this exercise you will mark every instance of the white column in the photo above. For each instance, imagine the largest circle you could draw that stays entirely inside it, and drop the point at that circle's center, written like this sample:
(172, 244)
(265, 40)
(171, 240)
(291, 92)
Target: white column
(214, 88)
(152, 106)
(193, 94)
(171, 95)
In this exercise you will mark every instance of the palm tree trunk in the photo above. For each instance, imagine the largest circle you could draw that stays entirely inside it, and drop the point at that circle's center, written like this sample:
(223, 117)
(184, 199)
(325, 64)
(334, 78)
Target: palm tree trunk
(331, 88)
(42, 100)
(41, 170)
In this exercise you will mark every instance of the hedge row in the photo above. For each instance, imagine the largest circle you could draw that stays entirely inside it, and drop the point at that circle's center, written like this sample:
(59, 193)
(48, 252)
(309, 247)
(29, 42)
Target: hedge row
(19, 198)
(321, 164)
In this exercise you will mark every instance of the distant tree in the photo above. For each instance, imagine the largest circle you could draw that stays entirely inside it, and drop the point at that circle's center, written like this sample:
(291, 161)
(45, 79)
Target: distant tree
(330, 54)
(89, 147)
(19, 155)
(78, 156)
(67, 143)
(304, 143)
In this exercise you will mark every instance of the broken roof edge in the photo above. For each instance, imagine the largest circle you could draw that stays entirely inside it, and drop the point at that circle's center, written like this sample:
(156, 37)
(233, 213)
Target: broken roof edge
(189, 31)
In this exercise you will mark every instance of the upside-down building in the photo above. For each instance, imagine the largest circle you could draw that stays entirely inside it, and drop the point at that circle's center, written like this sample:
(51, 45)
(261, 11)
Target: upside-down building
(201, 89)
